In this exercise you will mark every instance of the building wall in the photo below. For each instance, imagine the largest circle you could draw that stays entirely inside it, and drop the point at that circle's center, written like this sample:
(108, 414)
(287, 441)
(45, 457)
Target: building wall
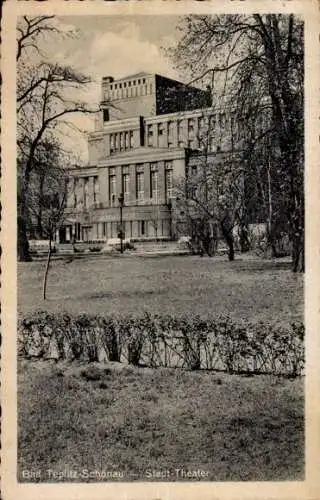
(94, 207)
(127, 98)
(150, 126)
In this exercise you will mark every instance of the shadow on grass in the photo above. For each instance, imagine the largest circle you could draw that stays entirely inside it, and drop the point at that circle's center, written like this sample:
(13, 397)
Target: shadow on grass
(128, 294)
(259, 266)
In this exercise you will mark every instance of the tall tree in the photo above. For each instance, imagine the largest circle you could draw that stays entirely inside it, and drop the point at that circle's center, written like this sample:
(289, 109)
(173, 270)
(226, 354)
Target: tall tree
(257, 65)
(45, 96)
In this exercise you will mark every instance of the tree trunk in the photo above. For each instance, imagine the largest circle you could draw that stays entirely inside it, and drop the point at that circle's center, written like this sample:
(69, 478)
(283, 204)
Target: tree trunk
(228, 236)
(22, 243)
(47, 269)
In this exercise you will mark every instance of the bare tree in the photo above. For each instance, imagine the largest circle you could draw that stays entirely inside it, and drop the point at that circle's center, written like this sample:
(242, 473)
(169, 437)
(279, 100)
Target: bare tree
(45, 95)
(209, 200)
(258, 61)
(53, 217)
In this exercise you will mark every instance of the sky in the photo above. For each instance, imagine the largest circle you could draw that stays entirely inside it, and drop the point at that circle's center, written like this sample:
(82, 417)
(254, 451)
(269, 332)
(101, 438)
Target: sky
(112, 46)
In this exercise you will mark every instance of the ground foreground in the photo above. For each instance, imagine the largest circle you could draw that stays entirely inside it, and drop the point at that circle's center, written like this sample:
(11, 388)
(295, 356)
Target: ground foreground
(247, 288)
(91, 423)
(126, 423)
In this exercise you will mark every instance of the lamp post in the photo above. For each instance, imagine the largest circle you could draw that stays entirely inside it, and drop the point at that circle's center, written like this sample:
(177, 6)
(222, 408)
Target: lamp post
(169, 205)
(121, 202)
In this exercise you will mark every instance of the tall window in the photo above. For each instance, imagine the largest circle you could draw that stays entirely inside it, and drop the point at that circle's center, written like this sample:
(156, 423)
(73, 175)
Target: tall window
(106, 115)
(160, 128)
(126, 187)
(95, 189)
(150, 135)
(180, 130)
(121, 141)
(112, 189)
(154, 192)
(131, 139)
(85, 191)
(190, 126)
(168, 184)
(75, 198)
(141, 228)
(140, 186)
(126, 140)
(201, 123)
(112, 143)
(212, 122)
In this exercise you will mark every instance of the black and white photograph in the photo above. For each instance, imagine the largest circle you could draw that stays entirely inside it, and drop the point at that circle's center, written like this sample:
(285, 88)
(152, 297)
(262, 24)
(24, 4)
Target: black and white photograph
(160, 247)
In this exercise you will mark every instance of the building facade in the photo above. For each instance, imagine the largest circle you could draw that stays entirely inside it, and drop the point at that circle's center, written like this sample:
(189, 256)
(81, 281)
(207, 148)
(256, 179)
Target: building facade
(144, 135)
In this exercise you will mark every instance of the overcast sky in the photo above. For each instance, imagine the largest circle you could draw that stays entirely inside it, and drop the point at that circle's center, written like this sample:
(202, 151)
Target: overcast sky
(115, 46)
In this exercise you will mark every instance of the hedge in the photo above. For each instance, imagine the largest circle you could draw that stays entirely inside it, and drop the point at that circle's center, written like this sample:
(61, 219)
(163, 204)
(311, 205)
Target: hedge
(218, 343)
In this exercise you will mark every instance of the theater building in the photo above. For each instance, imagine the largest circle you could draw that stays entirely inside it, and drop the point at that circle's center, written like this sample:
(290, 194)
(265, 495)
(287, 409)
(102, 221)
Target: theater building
(147, 129)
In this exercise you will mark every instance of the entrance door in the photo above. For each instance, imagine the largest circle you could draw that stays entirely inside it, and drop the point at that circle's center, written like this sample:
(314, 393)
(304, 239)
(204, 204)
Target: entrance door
(62, 235)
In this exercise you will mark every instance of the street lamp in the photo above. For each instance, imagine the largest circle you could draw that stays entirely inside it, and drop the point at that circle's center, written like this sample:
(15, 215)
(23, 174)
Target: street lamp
(169, 205)
(121, 203)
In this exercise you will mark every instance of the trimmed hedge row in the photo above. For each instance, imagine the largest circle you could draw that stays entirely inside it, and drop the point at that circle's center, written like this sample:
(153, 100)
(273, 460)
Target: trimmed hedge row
(219, 343)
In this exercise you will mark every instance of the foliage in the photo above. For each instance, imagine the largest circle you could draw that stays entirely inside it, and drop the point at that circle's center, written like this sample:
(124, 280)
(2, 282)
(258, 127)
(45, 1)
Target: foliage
(217, 343)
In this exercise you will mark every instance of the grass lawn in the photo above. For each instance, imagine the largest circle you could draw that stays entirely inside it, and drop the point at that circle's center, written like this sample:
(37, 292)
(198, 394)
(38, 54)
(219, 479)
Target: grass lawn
(137, 420)
(247, 288)
(91, 421)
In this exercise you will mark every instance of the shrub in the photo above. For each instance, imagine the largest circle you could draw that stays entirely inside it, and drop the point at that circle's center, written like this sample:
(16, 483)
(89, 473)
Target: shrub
(95, 248)
(217, 343)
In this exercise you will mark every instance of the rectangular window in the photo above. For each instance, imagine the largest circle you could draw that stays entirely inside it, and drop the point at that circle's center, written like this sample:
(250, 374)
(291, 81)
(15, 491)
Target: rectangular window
(141, 228)
(126, 140)
(140, 185)
(75, 199)
(212, 122)
(150, 135)
(106, 116)
(112, 143)
(121, 141)
(85, 191)
(112, 190)
(131, 142)
(190, 125)
(222, 119)
(95, 189)
(160, 129)
(126, 187)
(201, 123)
(154, 192)
(168, 184)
